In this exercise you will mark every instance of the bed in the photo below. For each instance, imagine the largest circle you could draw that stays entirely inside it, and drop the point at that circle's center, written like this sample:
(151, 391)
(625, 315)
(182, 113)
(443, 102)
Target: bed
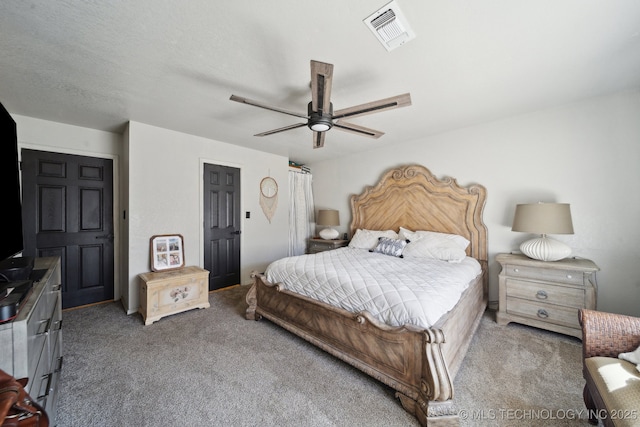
(419, 363)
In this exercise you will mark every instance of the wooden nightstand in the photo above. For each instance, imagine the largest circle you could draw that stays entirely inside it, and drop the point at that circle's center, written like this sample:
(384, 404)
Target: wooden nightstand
(545, 294)
(320, 245)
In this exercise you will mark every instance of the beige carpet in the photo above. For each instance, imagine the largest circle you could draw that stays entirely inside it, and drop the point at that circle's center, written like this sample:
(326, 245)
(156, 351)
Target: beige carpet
(518, 375)
(214, 368)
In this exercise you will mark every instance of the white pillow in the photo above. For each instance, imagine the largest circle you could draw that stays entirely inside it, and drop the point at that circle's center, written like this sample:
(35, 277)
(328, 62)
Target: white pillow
(431, 244)
(435, 236)
(633, 357)
(445, 250)
(368, 239)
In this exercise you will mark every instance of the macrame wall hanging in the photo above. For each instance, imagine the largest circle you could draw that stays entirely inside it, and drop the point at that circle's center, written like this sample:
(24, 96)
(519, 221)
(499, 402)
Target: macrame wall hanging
(268, 196)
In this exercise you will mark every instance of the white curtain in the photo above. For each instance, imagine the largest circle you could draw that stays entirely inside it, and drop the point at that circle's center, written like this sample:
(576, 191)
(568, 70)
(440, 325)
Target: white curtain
(301, 212)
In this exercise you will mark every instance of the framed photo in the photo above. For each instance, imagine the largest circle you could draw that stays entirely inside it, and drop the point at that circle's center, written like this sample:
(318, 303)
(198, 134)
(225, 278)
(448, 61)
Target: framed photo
(167, 252)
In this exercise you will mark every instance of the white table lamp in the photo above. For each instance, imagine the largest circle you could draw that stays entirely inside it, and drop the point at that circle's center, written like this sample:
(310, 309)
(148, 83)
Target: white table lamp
(328, 218)
(544, 218)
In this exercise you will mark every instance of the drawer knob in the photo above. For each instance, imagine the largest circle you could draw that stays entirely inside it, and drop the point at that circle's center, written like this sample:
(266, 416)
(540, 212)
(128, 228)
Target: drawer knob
(543, 313)
(568, 276)
(516, 270)
(541, 295)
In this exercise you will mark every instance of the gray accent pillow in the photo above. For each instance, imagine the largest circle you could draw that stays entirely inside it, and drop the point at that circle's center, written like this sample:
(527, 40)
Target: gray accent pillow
(387, 246)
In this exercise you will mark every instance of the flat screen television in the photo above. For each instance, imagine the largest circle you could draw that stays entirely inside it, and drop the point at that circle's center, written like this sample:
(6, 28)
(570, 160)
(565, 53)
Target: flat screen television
(11, 240)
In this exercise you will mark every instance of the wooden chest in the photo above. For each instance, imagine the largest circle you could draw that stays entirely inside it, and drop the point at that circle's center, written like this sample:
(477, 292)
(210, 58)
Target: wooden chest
(171, 292)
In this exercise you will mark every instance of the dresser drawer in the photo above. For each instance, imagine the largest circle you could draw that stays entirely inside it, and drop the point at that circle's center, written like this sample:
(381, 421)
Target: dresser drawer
(546, 293)
(49, 388)
(549, 275)
(41, 380)
(37, 328)
(51, 399)
(550, 313)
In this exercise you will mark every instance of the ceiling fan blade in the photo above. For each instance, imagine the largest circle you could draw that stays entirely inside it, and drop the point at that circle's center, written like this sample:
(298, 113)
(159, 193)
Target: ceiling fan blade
(374, 107)
(268, 107)
(270, 132)
(321, 79)
(318, 139)
(358, 130)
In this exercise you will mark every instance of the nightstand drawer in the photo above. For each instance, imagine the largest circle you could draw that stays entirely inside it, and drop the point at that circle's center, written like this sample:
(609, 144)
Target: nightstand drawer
(545, 293)
(320, 245)
(317, 247)
(550, 313)
(549, 275)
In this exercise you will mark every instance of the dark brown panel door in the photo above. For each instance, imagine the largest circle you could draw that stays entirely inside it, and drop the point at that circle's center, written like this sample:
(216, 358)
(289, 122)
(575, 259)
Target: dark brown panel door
(68, 212)
(222, 225)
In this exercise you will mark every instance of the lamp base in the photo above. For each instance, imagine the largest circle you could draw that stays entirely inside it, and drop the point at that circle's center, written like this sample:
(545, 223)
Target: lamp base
(545, 249)
(329, 233)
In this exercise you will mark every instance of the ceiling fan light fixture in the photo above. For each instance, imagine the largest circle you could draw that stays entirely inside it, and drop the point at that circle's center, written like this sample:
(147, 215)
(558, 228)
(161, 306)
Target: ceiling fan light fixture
(320, 121)
(319, 127)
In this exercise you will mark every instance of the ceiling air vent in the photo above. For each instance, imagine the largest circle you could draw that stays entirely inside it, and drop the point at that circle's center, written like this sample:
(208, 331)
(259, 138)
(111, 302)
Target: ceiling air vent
(390, 26)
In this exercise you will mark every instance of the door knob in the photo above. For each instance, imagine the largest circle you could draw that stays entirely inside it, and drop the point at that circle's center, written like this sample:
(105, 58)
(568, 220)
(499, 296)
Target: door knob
(236, 232)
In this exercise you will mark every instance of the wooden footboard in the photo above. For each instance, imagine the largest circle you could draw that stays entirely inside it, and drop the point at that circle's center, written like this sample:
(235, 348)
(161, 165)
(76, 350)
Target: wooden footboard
(419, 364)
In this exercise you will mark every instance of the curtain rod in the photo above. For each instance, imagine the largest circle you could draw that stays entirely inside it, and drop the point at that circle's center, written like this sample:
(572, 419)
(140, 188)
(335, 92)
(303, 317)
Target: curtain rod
(296, 170)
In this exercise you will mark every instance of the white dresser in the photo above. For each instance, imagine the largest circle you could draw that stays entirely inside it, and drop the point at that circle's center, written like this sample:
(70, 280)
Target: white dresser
(31, 344)
(546, 294)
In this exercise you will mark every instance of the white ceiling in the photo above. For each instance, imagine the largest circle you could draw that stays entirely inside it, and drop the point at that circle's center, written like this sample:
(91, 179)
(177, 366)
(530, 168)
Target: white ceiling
(174, 64)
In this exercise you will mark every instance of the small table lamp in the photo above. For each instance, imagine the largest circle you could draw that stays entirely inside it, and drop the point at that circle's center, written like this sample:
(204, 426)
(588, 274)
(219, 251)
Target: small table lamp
(328, 218)
(544, 218)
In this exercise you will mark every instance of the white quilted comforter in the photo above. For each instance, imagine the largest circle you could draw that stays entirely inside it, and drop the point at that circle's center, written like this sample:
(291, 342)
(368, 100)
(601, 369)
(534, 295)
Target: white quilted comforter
(397, 291)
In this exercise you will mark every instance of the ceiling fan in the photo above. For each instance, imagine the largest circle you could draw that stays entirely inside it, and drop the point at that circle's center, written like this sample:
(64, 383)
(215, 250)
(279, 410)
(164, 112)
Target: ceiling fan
(320, 116)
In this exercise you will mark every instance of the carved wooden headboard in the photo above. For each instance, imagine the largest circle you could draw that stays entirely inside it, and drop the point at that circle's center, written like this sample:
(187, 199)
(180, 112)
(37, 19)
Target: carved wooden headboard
(412, 197)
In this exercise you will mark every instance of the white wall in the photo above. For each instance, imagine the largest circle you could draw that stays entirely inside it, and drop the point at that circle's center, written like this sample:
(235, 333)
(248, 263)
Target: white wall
(62, 138)
(586, 154)
(165, 170)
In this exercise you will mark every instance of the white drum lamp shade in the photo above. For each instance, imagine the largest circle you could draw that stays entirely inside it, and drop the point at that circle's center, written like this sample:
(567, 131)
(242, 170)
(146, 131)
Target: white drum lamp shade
(328, 218)
(543, 219)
